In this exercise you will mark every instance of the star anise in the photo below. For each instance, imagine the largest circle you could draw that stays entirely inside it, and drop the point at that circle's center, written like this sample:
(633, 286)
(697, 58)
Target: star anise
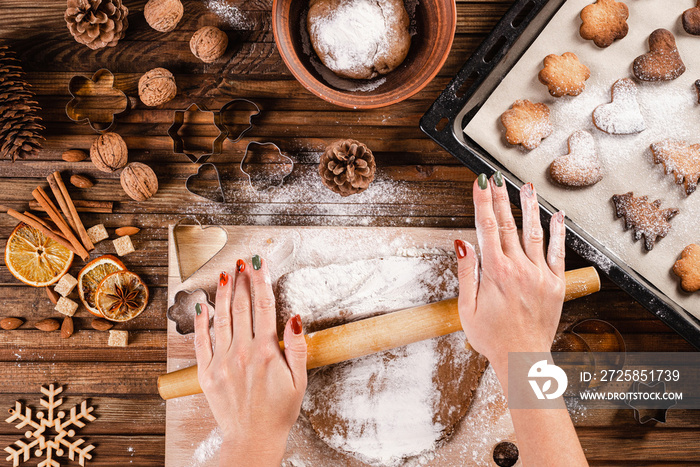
(124, 299)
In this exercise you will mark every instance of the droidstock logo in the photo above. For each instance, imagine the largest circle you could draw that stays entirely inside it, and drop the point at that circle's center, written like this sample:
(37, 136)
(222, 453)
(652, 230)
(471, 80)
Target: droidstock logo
(544, 373)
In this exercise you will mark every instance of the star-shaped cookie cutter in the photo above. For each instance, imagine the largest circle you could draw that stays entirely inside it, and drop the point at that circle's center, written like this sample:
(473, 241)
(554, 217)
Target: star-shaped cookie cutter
(178, 141)
(230, 108)
(643, 415)
(100, 87)
(270, 185)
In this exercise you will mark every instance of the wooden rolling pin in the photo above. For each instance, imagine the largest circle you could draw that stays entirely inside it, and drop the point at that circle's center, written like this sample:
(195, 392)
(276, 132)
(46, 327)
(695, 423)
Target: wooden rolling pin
(377, 334)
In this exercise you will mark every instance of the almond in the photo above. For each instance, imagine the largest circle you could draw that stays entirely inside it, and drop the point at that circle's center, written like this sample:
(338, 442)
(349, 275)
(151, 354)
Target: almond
(47, 325)
(74, 155)
(121, 231)
(100, 324)
(8, 324)
(53, 295)
(81, 181)
(67, 327)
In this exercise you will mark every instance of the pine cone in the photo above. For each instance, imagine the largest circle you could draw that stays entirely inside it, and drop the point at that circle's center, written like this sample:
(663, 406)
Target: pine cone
(97, 23)
(19, 123)
(347, 167)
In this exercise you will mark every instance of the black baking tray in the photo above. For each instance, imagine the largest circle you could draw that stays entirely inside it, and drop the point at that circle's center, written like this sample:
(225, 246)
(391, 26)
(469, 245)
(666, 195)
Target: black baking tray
(463, 98)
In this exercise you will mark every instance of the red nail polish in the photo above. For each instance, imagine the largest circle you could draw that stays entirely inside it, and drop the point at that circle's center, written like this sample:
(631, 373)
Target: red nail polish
(461, 249)
(223, 279)
(296, 325)
(240, 265)
(529, 189)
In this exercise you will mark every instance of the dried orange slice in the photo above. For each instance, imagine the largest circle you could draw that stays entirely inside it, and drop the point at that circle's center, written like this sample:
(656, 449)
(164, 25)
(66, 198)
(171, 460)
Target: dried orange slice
(34, 258)
(90, 277)
(121, 296)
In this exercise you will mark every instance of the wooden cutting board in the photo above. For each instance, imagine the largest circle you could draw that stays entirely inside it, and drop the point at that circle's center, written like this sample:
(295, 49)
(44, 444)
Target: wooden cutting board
(191, 439)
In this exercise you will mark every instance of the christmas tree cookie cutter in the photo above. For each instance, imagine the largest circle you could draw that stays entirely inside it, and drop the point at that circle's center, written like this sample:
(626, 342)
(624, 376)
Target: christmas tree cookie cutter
(96, 100)
(182, 311)
(198, 183)
(265, 165)
(176, 133)
(196, 245)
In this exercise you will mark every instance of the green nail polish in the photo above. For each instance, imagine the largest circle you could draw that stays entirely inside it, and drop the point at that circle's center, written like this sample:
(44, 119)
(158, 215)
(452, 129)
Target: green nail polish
(498, 178)
(483, 181)
(257, 264)
(198, 309)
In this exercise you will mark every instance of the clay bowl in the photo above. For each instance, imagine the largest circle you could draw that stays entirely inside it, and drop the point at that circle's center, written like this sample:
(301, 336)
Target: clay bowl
(435, 24)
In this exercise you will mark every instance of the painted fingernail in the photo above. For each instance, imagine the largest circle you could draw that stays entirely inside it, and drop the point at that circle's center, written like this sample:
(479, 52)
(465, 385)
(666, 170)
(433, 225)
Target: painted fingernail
(498, 178)
(257, 262)
(529, 189)
(461, 249)
(483, 181)
(559, 217)
(223, 278)
(240, 265)
(296, 325)
(198, 309)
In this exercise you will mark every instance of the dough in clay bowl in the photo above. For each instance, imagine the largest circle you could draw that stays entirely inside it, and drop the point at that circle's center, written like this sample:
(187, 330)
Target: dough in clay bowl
(384, 408)
(359, 39)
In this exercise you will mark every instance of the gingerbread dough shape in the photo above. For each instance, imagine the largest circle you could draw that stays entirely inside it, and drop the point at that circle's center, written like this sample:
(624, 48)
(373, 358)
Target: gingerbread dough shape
(663, 61)
(564, 75)
(622, 116)
(581, 167)
(681, 159)
(359, 39)
(388, 407)
(647, 219)
(604, 22)
(527, 123)
(688, 268)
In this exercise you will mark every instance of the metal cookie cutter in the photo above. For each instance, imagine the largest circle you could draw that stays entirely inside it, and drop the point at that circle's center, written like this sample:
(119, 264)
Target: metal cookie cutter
(182, 311)
(226, 120)
(644, 415)
(267, 165)
(96, 100)
(200, 183)
(196, 245)
(178, 141)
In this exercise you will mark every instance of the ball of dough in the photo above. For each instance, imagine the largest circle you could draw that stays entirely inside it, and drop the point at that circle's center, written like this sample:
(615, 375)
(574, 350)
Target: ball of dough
(359, 39)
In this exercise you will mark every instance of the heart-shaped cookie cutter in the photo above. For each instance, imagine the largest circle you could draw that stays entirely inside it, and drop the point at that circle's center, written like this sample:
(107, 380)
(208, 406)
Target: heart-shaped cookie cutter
(99, 87)
(216, 195)
(266, 186)
(182, 311)
(179, 142)
(193, 222)
(230, 109)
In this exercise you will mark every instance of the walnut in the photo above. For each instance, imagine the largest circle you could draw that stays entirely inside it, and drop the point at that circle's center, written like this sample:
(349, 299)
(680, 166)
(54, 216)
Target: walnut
(156, 87)
(139, 181)
(208, 43)
(108, 152)
(163, 15)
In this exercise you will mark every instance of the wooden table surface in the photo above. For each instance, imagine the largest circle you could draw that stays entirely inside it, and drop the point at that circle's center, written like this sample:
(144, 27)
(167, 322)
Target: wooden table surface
(419, 184)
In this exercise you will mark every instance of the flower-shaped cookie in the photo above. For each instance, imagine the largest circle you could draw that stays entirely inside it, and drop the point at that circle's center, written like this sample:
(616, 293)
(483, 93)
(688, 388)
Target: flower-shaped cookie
(604, 22)
(564, 75)
(688, 268)
(527, 123)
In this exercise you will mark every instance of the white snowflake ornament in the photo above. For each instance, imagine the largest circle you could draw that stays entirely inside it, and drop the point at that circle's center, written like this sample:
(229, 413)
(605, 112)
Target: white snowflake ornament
(51, 432)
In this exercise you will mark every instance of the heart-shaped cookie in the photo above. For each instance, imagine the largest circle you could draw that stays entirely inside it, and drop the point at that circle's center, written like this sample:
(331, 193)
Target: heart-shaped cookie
(206, 183)
(662, 62)
(196, 245)
(581, 167)
(622, 115)
(691, 20)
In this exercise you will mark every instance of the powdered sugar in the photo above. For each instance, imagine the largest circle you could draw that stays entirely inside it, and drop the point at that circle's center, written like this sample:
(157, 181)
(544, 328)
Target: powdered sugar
(622, 116)
(581, 167)
(228, 12)
(207, 449)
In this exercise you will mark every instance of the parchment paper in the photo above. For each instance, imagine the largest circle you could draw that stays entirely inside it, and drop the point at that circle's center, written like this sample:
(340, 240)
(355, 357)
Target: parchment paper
(670, 110)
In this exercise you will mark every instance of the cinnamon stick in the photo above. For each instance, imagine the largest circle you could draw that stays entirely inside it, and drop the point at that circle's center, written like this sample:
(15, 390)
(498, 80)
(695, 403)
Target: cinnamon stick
(40, 227)
(61, 200)
(43, 199)
(42, 222)
(80, 228)
(81, 205)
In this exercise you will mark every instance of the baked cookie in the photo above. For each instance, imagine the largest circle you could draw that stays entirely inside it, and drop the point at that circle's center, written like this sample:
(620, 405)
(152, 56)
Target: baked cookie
(622, 115)
(581, 167)
(604, 22)
(681, 159)
(688, 268)
(527, 123)
(359, 39)
(691, 20)
(564, 75)
(697, 89)
(647, 219)
(663, 61)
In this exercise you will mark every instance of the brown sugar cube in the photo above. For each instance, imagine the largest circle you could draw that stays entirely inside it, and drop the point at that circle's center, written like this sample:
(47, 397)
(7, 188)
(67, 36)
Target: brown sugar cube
(97, 233)
(66, 306)
(66, 285)
(118, 338)
(123, 245)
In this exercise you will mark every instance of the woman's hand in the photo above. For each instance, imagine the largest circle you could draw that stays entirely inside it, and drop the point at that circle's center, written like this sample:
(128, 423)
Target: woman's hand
(253, 388)
(516, 304)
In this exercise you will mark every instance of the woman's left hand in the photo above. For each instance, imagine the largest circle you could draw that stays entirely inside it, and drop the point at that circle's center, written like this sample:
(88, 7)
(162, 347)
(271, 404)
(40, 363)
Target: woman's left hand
(253, 388)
